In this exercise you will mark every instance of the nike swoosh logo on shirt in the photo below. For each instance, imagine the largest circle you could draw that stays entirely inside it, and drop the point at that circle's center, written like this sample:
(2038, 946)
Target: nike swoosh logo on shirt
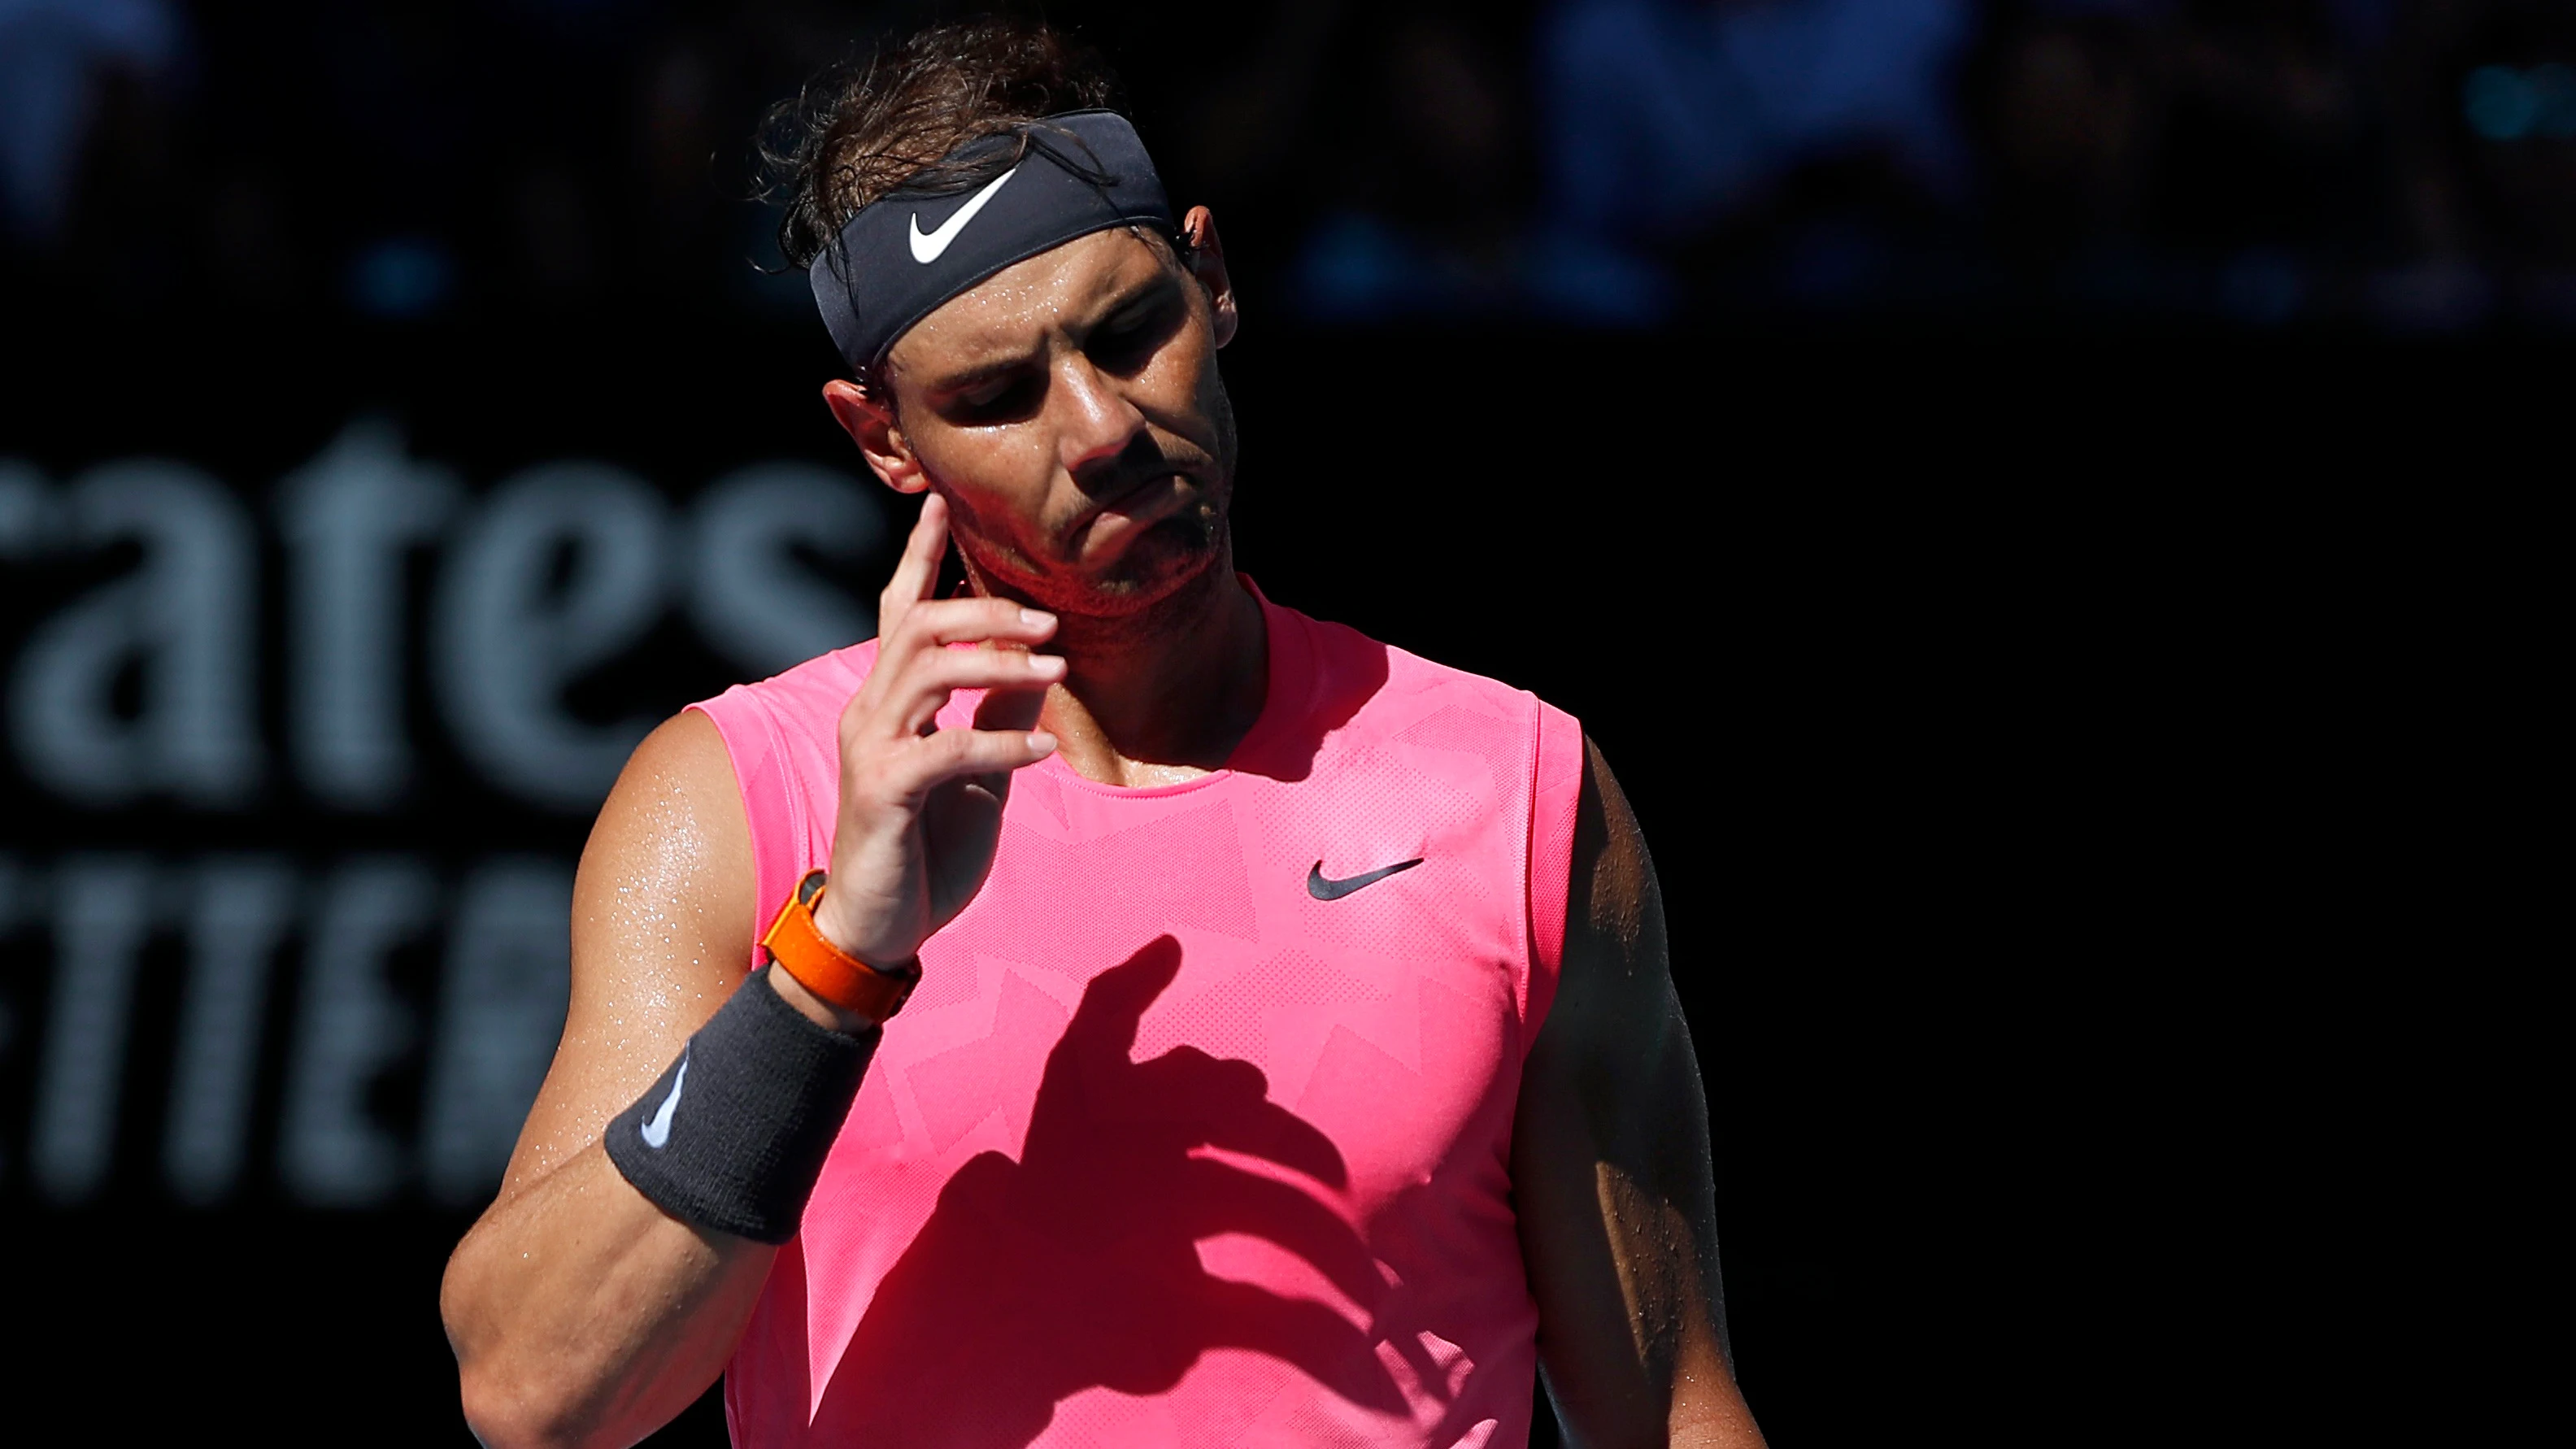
(926, 249)
(1333, 890)
(658, 1131)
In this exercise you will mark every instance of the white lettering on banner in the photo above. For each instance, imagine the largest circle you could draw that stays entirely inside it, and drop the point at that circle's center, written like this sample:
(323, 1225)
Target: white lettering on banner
(749, 595)
(562, 568)
(185, 615)
(503, 985)
(350, 1028)
(239, 913)
(349, 518)
(103, 913)
(507, 641)
(501, 1008)
(139, 686)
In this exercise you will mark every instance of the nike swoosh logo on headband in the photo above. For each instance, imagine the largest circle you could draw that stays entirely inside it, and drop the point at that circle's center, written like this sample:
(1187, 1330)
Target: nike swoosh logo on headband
(926, 249)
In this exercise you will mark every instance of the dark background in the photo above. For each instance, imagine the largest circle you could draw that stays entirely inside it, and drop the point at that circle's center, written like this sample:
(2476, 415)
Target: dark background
(2003, 483)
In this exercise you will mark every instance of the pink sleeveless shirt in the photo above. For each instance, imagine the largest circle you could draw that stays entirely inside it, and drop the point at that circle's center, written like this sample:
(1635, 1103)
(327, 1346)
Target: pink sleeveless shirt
(1185, 1139)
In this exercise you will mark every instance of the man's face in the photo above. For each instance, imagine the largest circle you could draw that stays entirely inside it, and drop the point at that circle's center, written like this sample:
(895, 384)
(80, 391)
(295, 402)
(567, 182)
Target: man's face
(1069, 409)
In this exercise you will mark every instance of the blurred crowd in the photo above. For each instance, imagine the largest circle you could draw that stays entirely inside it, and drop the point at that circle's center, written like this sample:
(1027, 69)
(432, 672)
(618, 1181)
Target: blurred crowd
(2396, 164)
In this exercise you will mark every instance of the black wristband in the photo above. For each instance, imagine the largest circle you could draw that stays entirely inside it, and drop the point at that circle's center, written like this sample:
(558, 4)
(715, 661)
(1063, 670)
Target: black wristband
(734, 1134)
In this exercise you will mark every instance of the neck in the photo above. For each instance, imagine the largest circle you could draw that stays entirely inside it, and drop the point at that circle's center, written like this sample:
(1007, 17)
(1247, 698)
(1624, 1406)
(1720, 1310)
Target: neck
(1165, 694)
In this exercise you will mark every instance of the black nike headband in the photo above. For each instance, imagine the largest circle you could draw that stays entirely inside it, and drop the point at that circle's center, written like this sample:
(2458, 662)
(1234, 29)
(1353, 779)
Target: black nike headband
(908, 251)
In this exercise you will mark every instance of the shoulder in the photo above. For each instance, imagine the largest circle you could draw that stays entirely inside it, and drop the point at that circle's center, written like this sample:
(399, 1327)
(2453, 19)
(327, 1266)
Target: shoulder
(1613, 992)
(796, 700)
(1382, 690)
(1613, 898)
(673, 819)
(781, 737)
(782, 733)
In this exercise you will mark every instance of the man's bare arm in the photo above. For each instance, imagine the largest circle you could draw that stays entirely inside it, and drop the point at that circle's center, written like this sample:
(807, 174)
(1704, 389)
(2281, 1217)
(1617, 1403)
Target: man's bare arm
(1611, 1167)
(581, 1313)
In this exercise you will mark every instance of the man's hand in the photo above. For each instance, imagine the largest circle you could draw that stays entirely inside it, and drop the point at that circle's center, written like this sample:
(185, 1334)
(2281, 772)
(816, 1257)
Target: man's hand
(921, 807)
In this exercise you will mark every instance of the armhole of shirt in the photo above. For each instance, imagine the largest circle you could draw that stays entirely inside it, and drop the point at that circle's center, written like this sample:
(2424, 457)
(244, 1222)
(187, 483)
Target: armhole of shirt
(1556, 789)
(771, 804)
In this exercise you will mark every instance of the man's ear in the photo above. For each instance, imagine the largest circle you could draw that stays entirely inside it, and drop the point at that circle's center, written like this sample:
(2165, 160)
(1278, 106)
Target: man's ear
(1207, 263)
(870, 424)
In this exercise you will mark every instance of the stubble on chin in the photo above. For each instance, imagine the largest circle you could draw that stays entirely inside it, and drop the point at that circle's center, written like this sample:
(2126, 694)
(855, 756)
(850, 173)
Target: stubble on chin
(1167, 555)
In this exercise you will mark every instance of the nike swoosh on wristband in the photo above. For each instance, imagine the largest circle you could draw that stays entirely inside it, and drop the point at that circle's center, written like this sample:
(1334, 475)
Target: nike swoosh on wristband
(926, 249)
(658, 1131)
(1333, 890)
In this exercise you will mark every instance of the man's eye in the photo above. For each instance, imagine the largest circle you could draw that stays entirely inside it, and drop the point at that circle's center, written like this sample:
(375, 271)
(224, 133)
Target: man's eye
(1130, 340)
(993, 398)
(1119, 343)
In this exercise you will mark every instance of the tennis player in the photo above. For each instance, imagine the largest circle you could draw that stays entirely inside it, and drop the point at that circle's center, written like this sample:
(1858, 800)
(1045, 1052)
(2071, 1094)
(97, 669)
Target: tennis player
(1110, 1007)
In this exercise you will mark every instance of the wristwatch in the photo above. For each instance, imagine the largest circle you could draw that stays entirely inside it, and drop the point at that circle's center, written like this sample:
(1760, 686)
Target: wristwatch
(796, 947)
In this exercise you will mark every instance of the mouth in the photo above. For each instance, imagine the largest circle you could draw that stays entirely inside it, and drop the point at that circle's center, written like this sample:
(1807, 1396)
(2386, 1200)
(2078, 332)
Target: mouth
(1142, 502)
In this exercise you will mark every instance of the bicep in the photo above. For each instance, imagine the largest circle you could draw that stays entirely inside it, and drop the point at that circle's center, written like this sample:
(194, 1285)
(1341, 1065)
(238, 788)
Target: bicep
(1611, 1160)
(662, 924)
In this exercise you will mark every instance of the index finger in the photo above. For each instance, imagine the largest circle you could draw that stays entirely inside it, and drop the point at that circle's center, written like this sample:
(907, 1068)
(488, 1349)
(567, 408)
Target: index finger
(917, 572)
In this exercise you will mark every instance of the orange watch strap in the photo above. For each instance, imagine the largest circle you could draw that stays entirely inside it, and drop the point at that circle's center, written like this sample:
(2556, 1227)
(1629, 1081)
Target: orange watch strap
(798, 948)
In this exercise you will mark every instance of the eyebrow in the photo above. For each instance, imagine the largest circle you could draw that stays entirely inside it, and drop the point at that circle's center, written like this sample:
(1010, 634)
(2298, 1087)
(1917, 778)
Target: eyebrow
(967, 378)
(1161, 288)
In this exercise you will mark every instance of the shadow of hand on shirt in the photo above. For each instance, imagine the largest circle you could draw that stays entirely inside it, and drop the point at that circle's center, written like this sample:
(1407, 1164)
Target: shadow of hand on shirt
(1077, 1266)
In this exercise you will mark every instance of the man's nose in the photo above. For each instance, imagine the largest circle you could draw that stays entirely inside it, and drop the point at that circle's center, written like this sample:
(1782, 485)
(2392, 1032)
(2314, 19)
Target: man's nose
(1097, 422)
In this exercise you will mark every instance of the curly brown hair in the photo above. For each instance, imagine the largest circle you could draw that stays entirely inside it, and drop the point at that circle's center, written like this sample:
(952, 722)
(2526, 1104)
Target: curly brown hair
(859, 131)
